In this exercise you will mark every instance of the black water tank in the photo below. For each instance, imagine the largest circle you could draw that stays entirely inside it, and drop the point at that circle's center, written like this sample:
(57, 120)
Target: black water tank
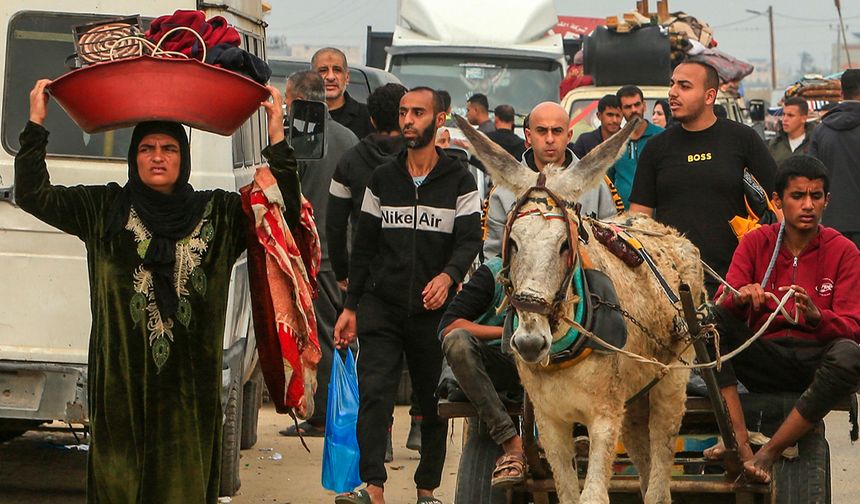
(640, 57)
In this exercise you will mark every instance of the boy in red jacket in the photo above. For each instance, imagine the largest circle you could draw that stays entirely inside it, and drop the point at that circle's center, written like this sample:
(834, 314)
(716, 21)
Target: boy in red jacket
(818, 357)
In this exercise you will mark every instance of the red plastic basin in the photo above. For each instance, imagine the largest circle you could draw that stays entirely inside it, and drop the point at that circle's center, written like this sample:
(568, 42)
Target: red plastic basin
(122, 93)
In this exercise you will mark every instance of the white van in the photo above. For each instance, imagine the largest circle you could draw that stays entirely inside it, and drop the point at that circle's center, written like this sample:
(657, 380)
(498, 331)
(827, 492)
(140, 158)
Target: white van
(44, 294)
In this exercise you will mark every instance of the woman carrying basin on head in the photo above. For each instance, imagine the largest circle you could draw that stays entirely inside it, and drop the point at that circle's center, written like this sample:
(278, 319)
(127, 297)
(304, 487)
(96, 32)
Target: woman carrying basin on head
(159, 256)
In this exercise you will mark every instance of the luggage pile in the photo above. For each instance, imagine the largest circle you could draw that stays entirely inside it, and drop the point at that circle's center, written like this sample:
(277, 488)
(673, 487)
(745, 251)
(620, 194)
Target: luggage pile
(652, 44)
(816, 88)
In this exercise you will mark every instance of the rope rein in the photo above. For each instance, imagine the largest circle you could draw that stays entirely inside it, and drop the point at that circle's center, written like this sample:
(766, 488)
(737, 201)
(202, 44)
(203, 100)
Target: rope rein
(665, 368)
(705, 329)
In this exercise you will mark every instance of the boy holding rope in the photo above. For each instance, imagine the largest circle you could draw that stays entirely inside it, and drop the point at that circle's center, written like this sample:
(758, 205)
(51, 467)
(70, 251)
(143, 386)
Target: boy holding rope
(816, 354)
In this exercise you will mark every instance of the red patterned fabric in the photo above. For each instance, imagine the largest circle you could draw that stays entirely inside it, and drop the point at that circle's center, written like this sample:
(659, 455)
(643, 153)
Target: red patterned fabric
(213, 31)
(282, 280)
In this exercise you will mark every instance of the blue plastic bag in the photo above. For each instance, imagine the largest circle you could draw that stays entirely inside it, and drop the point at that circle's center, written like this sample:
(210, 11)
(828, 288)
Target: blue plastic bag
(340, 451)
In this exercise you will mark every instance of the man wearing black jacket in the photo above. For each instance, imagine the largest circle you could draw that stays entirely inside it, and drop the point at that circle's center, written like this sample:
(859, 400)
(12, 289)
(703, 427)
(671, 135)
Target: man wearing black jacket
(331, 64)
(610, 116)
(419, 232)
(836, 142)
(353, 171)
(504, 134)
(347, 191)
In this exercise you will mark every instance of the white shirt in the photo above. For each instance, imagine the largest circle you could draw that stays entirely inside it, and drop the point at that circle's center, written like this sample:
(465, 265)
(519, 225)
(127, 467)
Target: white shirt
(794, 144)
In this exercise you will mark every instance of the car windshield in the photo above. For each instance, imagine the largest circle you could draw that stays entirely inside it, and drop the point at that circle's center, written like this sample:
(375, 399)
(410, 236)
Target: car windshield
(517, 82)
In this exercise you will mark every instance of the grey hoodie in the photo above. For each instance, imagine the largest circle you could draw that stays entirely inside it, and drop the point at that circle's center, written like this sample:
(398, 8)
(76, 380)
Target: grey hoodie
(597, 201)
(836, 142)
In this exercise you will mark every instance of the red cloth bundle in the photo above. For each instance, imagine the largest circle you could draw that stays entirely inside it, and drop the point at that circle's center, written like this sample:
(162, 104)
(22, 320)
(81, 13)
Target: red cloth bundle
(282, 271)
(214, 31)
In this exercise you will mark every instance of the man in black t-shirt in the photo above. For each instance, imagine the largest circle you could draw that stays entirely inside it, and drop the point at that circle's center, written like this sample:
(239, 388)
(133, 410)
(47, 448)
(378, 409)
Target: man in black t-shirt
(691, 177)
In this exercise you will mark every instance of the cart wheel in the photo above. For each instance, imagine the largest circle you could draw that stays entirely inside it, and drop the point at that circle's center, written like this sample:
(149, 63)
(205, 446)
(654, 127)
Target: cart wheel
(805, 479)
(477, 462)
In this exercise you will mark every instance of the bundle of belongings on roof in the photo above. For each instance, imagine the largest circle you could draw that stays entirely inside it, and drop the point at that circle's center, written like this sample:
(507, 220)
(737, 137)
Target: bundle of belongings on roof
(669, 40)
(816, 87)
(123, 38)
(728, 67)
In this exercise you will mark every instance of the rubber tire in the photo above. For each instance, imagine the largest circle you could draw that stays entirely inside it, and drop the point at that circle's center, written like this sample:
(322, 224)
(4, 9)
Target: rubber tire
(252, 400)
(477, 462)
(231, 437)
(806, 479)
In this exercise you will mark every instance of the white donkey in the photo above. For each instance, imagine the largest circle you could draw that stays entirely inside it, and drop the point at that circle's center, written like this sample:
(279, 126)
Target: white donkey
(541, 251)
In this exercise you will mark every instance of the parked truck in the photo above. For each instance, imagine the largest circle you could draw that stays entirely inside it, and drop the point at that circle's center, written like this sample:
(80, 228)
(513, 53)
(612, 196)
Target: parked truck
(501, 48)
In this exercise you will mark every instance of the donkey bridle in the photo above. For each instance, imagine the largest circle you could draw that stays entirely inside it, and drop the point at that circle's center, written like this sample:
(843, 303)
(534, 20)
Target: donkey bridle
(524, 302)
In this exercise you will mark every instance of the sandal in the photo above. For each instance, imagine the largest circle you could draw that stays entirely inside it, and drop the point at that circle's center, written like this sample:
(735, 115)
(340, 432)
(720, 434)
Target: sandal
(359, 497)
(305, 429)
(510, 470)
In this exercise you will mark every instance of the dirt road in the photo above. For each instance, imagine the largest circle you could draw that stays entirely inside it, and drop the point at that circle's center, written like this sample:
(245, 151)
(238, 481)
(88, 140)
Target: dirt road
(36, 469)
(296, 478)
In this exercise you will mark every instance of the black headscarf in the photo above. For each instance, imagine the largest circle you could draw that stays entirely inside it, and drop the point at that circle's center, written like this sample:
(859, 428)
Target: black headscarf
(667, 111)
(168, 217)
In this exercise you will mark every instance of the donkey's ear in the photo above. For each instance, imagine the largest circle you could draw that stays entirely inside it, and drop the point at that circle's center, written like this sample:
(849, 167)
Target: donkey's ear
(504, 168)
(588, 173)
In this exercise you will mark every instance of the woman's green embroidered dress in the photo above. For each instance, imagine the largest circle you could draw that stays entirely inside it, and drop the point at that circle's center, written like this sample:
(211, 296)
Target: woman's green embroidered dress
(154, 385)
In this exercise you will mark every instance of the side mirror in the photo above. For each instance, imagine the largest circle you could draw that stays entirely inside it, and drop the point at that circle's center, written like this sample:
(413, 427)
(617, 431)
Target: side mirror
(757, 110)
(306, 129)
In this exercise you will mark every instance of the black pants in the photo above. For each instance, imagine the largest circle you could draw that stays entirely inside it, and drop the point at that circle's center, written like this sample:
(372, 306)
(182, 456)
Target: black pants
(481, 370)
(327, 307)
(384, 335)
(823, 373)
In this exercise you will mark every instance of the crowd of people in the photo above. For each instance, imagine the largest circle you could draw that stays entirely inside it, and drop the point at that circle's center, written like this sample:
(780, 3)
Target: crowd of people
(400, 226)
(686, 168)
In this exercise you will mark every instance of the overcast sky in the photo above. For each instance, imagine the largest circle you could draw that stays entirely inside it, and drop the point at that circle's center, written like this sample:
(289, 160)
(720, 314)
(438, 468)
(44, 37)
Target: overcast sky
(801, 25)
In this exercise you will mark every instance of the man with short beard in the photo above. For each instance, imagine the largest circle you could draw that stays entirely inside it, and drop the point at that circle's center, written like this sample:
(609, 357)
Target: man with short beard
(331, 64)
(692, 177)
(419, 232)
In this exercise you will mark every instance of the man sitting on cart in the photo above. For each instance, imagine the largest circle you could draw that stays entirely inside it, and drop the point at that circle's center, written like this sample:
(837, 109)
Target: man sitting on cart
(818, 357)
(471, 332)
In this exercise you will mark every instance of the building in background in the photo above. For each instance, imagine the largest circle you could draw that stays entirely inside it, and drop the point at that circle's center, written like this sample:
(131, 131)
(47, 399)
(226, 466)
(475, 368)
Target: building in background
(279, 46)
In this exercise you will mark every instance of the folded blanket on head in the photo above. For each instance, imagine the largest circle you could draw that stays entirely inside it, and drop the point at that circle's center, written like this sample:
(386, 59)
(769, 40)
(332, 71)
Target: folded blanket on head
(213, 32)
(282, 270)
